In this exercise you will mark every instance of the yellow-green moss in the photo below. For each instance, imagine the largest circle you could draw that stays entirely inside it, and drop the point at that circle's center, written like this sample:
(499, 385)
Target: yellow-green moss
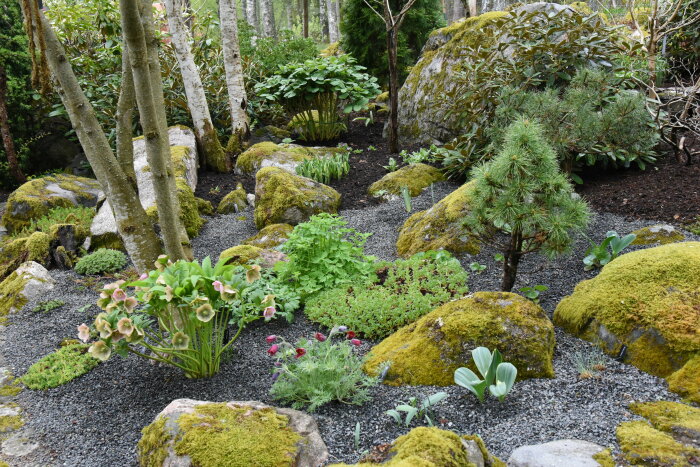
(657, 235)
(11, 295)
(112, 240)
(204, 207)
(428, 351)
(647, 300)
(234, 146)
(416, 177)
(241, 254)
(12, 386)
(686, 381)
(151, 447)
(250, 161)
(278, 193)
(641, 444)
(271, 236)
(272, 132)
(178, 155)
(12, 255)
(58, 368)
(38, 247)
(235, 201)
(189, 209)
(383, 97)
(332, 50)
(604, 458)
(10, 423)
(671, 417)
(440, 227)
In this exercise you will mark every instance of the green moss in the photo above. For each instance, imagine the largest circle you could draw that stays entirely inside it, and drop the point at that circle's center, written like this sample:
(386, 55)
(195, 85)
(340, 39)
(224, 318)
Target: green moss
(641, 444)
(416, 177)
(686, 381)
(12, 255)
(204, 207)
(12, 387)
(11, 292)
(178, 155)
(250, 161)
(10, 423)
(111, 240)
(604, 458)
(151, 447)
(271, 236)
(332, 50)
(383, 97)
(38, 247)
(670, 417)
(647, 300)
(440, 227)
(59, 367)
(241, 254)
(235, 201)
(189, 211)
(101, 261)
(428, 351)
(657, 235)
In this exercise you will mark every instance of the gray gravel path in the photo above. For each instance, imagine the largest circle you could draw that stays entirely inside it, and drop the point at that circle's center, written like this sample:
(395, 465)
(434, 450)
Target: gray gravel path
(96, 419)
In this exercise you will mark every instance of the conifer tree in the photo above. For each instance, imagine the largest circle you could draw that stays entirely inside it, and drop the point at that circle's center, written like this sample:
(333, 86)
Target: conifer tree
(522, 202)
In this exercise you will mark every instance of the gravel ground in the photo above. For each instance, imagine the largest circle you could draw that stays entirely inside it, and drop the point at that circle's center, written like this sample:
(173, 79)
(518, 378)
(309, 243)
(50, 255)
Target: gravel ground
(96, 419)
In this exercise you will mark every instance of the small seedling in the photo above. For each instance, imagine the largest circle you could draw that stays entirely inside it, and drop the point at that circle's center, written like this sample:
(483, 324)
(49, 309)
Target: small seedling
(215, 191)
(371, 148)
(393, 166)
(589, 364)
(599, 255)
(415, 408)
(406, 195)
(287, 141)
(499, 257)
(49, 305)
(493, 370)
(476, 267)
(533, 293)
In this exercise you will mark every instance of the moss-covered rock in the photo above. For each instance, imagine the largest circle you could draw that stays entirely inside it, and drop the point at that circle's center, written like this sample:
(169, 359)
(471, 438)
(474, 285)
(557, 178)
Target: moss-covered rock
(642, 444)
(429, 351)
(646, 302)
(416, 177)
(30, 280)
(189, 210)
(35, 198)
(285, 198)
(680, 420)
(204, 207)
(439, 228)
(234, 201)
(284, 156)
(271, 236)
(686, 381)
(203, 434)
(660, 234)
(271, 133)
(332, 50)
(247, 254)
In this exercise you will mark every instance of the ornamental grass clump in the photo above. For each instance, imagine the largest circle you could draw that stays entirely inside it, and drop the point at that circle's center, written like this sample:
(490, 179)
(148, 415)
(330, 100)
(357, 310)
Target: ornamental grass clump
(313, 372)
(522, 202)
(180, 313)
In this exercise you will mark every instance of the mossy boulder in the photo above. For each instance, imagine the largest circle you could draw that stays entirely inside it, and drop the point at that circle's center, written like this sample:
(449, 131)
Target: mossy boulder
(247, 254)
(271, 236)
(429, 351)
(284, 156)
(660, 234)
(417, 177)
(285, 198)
(439, 228)
(270, 133)
(332, 50)
(205, 434)
(234, 201)
(644, 305)
(204, 206)
(37, 197)
(686, 381)
(29, 281)
(35, 247)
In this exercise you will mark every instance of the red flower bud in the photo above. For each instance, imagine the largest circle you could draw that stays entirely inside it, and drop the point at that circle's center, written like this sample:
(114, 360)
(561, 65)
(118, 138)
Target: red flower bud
(350, 335)
(320, 337)
(356, 342)
(271, 338)
(273, 350)
(300, 352)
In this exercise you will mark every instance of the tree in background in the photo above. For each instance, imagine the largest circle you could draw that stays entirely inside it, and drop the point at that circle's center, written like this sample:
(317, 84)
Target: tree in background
(238, 101)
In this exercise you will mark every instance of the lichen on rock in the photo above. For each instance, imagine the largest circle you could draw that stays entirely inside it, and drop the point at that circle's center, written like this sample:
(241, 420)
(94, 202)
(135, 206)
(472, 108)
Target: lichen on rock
(416, 177)
(659, 234)
(428, 351)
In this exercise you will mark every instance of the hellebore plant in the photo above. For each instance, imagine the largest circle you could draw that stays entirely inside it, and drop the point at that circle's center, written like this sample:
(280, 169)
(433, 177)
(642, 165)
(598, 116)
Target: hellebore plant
(187, 308)
(314, 372)
(493, 370)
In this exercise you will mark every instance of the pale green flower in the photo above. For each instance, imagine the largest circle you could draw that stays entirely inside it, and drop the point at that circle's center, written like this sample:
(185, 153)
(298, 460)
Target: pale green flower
(205, 313)
(180, 341)
(252, 274)
(100, 351)
(125, 326)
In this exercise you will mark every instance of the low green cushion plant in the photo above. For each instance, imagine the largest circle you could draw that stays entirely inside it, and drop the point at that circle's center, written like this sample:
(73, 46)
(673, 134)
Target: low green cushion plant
(59, 367)
(101, 261)
(80, 216)
(398, 294)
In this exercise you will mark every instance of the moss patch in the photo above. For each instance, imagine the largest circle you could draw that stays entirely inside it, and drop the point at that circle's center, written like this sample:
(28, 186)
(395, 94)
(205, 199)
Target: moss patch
(416, 177)
(234, 201)
(428, 351)
(241, 254)
(10, 423)
(439, 228)
(11, 295)
(686, 381)
(152, 445)
(59, 367)
(680, 420)
(657, 235)
(204, 207)
(647, 300)
(251, 160)
(271, 236)
(642, 444)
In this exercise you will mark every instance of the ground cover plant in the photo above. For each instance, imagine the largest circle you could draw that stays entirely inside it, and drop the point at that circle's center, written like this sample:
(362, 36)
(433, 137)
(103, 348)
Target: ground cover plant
(59, 367)
(398, 293)
(80, 216)
(102, 261)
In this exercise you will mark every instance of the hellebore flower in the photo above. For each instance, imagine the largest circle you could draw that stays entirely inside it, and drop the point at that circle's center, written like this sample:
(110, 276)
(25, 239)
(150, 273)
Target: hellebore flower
(135, 336)
(320, 337)
(84, 332)
(125, 326)
(271, 338)
(119, 295)
(161, 262)
(180, 341)
(273, 350)
(205, 313)
(218, 286)
(252, 274)
(350, 335)
(356, 342)
(130, 303)
(143, 276)
(100, 351)
(269, 312)
(269, 300)
(300, 352)
(168, 293)
(106, 330)
(228, 294)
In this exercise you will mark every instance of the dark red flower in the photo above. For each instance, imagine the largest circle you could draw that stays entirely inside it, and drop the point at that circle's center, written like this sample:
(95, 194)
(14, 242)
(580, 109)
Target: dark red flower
(356, 342)
(271, 338)
(350, 335)
(320, 337)
(300, 352)
(273, 350)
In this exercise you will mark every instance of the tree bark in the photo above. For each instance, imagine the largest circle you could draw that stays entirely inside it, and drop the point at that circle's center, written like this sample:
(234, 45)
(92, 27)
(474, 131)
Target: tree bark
(449, 6)
(238, 101)
(125, 116)
(305, 7)
(6, 134)
(288, 14)
(510, 262)
(251, 15)
(458, 11)
(268, 18)
(473, 11)
(333, 31)
(134, 226)
(154, 130)
(207, 139)
(323, 15)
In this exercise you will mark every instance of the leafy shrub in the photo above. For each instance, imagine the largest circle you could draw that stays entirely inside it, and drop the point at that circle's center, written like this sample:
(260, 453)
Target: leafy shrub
(314, 372)
(326, 169)
(59, 367)
(398, 294)
(100, 262)
(80, 216)
(323, 254)
(492, 369)
(598, 256)
(364, 35)
(312, 91)
(193, 306)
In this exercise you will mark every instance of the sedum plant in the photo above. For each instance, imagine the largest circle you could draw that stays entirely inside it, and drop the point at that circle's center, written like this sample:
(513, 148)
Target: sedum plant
(326, 169)
(313, 372)
(313, 91)
(186, 309)
(598, 256)
(498, 376)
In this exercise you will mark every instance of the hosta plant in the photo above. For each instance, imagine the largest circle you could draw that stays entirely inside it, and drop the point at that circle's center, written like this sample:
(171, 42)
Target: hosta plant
(498, 376)
(598, 256)
(180, 313)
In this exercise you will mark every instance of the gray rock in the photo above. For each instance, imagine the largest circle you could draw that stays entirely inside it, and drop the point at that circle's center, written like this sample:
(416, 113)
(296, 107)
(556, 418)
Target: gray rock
(18, 445)
(563, 452)
(39, 281)
(474, 455)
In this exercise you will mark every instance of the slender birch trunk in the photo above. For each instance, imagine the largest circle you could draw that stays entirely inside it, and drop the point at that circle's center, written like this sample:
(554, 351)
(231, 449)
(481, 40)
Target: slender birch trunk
(323, 17)
(473, 11)
(305, 17)
(134, 226)
(251, 15)
(237, 98)
(268, 18)
(458, 11)
(207, 139)
(154, 130)
(288, 14)
(7, 141)
(333, 32)
(124, 119)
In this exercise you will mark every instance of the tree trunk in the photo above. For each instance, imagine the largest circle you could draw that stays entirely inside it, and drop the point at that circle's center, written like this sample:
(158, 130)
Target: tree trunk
(154, 130)
(333, 35)
(305, 7)
(251, 15)
(207, 139)
(288, 14)
(238, 102)
(449, 6)
(473, 11)
(134, 226)
(268, 18)
(5, 132)
(511, 259)
(125, 118)
(392, 46)
(323, 16)
(458, 11)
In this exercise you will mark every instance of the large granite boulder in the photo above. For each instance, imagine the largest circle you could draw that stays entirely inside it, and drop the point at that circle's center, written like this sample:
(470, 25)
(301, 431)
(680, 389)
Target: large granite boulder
(439, 228)
(568, 452)
(205, 434)
(416, 177)
(183, 152)
(283, 156)
(37, 197)
(429, 351)
(643, 306)
(285, 198)
(30, 281)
